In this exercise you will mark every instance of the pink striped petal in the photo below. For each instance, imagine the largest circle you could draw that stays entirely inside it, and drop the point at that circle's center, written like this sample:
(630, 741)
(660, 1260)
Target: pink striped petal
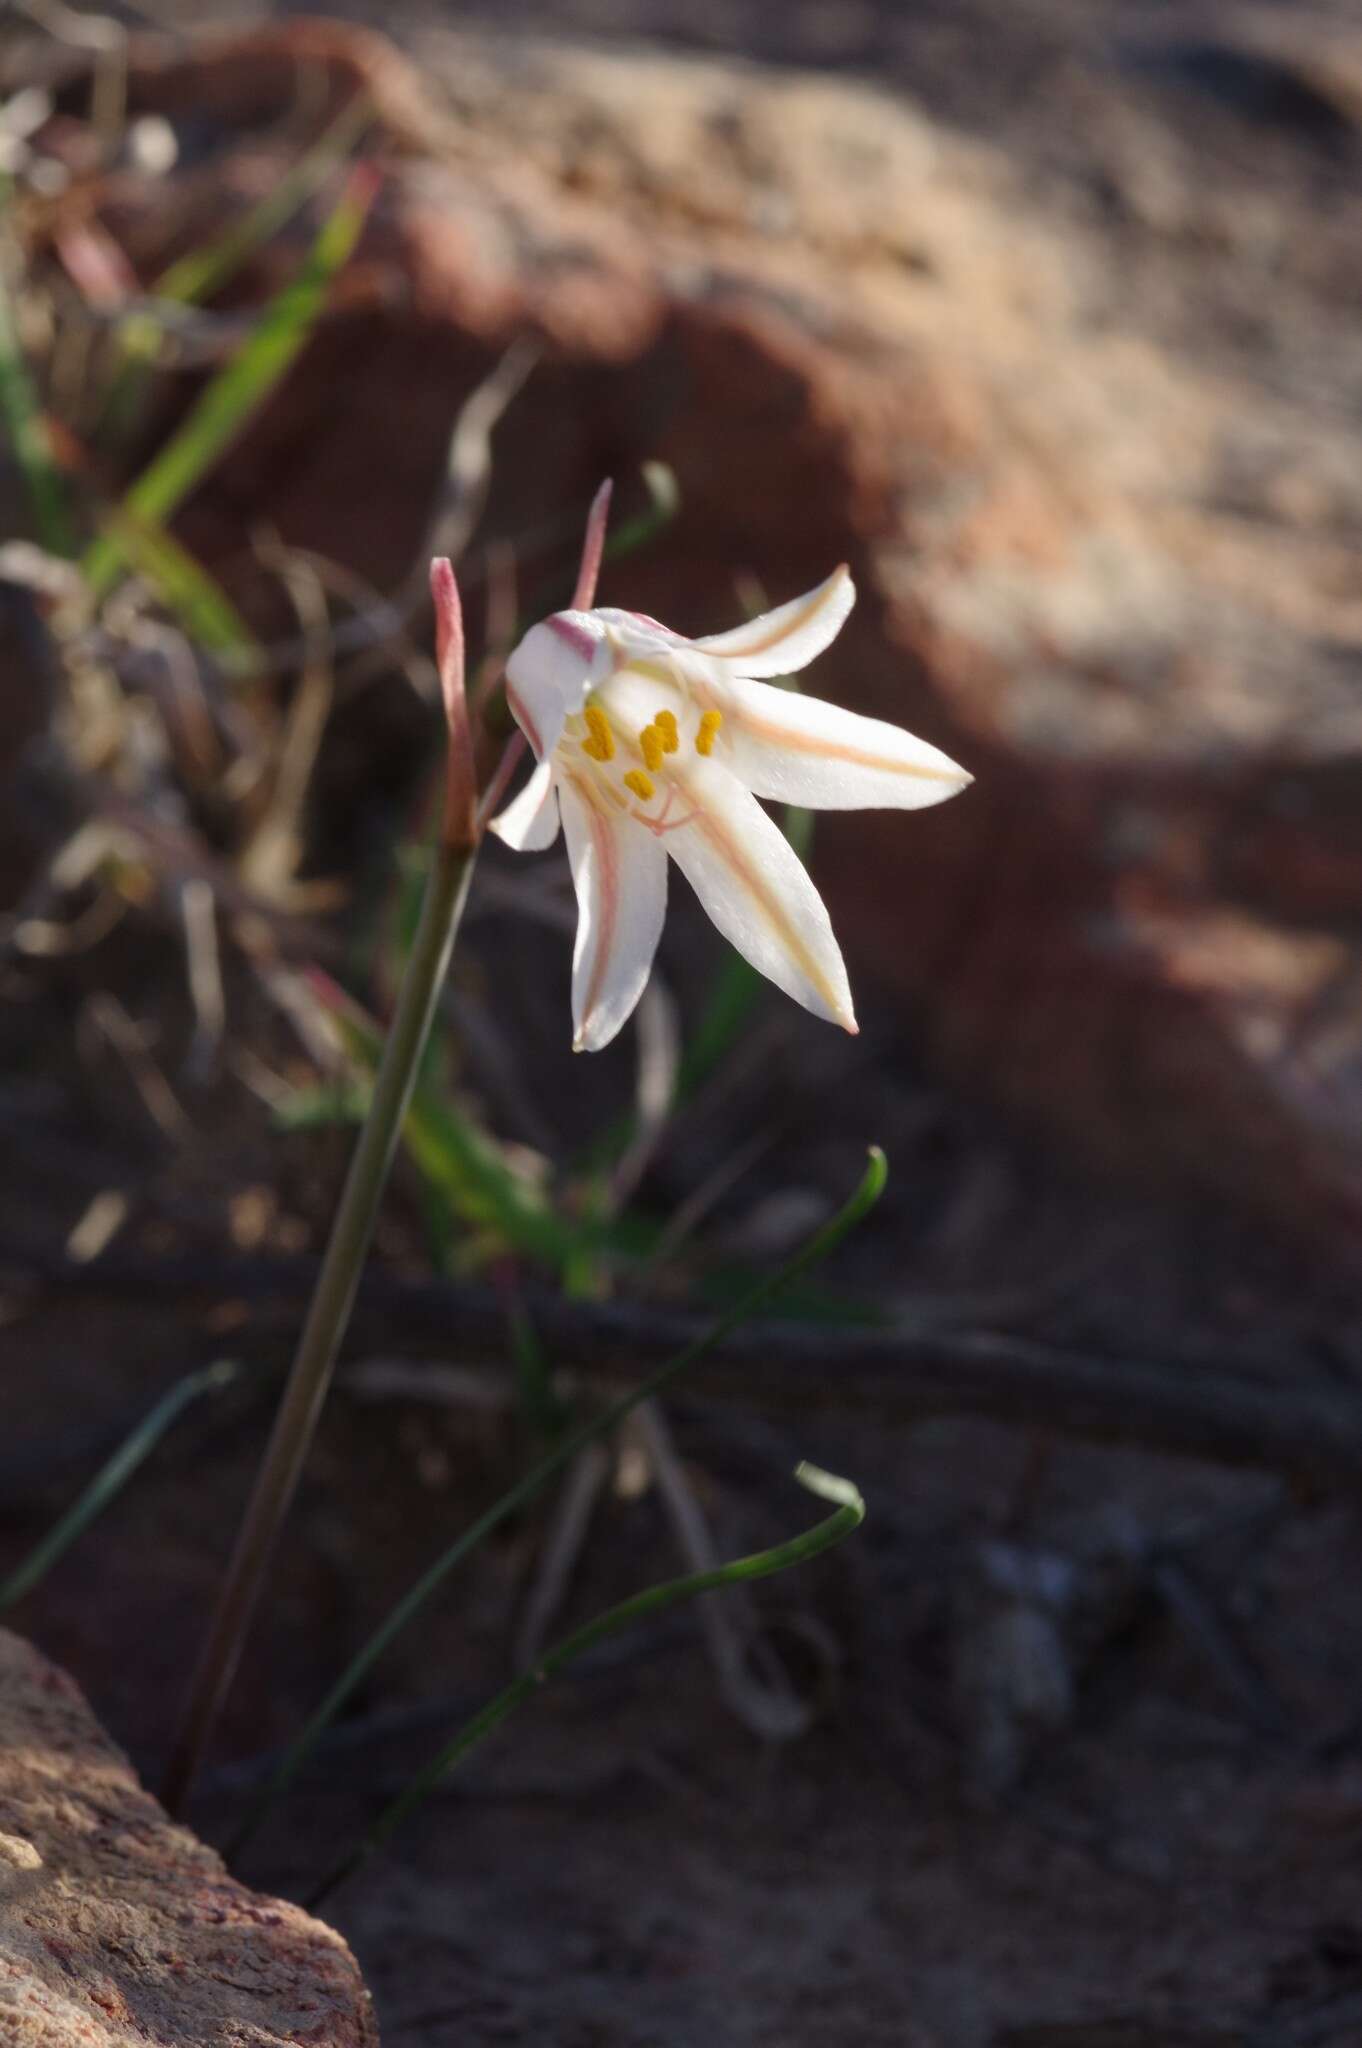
(751, 882)
(779, 642)
(529, 822)
(548, 675)
(802, 750)
(620, 874)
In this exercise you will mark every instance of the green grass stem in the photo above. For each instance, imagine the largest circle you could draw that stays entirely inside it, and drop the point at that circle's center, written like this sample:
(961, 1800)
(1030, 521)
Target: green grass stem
(533, 1482)
(329, 1313)
(847, 1515)
(26, 431)
(111, 1478)
(232, 398)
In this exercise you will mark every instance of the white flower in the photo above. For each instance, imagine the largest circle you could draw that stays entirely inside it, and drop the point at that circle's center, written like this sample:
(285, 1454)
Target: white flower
(649, 745)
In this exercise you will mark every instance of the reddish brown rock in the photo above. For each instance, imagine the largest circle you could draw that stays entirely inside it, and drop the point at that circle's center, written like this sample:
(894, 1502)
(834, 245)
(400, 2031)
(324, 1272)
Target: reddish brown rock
(116, 1927)
(1111, 563)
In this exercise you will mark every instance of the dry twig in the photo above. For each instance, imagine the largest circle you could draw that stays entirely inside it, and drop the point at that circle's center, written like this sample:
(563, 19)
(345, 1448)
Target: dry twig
(898, 1373)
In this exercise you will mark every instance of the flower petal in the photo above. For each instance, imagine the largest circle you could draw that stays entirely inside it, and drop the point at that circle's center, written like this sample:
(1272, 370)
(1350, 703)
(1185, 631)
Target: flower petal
(802, 750)
(788, 638)
(548, 675)
(529, 822)
(620, 874)
(751, 882)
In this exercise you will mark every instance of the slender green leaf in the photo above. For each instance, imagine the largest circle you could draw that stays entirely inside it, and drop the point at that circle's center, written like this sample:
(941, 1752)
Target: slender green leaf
(848, 1514)
(463, 1161)
(319, 1107)
(539, 1399)
(240, 389)
(197, 276)
(329, 1310)
(518, 1496)
(27, 434)
(112, 1477)
(184, 587)
(664, 502)
(465, 1168)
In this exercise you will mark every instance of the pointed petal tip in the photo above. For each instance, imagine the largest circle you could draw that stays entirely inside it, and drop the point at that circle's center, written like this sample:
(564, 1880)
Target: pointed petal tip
(460, 815)
(444, 588)
(782, 641)
(589, 1037)
(593, 547)
(449, 647)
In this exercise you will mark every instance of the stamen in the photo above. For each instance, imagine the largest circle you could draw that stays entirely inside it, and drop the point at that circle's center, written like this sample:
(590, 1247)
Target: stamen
(653, 745)
(709, 726)
(665, 721)
(643, 789)
(601, 743)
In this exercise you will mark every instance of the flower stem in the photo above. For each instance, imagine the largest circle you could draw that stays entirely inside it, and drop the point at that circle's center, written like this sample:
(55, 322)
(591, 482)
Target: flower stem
(824, 1241)
(305, 1391)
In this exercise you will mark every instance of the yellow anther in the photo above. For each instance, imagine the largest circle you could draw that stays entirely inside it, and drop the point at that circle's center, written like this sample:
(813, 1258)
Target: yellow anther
(665, 722)
(709, 725)
(637, 781)
(653, 745)
(601, 743)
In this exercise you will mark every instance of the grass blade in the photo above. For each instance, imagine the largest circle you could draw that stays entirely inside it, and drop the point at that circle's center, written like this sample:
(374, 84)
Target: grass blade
(454, 1155)
(197, 276)
(848, 1514)
(819, 1246)
(185, 587)
(26, 432)
(112, 1477)
(239, 390)
(664, 502)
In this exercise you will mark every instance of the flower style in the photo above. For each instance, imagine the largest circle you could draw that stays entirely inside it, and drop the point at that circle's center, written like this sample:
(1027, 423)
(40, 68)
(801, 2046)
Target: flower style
(649, 744)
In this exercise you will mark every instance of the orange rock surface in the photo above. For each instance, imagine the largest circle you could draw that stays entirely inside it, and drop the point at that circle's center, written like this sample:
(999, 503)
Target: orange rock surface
(117, 1927)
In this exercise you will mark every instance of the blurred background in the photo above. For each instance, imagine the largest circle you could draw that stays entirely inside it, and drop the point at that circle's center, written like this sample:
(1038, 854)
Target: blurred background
(1045, 317)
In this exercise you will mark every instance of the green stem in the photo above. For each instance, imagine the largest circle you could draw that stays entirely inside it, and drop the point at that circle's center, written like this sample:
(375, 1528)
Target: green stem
(328, 1315)
(23, 425)
(848, 1515)
(111, 1478)
(525, 1489)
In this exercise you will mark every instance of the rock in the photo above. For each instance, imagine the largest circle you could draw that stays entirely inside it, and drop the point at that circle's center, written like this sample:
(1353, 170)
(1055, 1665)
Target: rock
(1026, 1623)
(1108, 558)
(117, 1927)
